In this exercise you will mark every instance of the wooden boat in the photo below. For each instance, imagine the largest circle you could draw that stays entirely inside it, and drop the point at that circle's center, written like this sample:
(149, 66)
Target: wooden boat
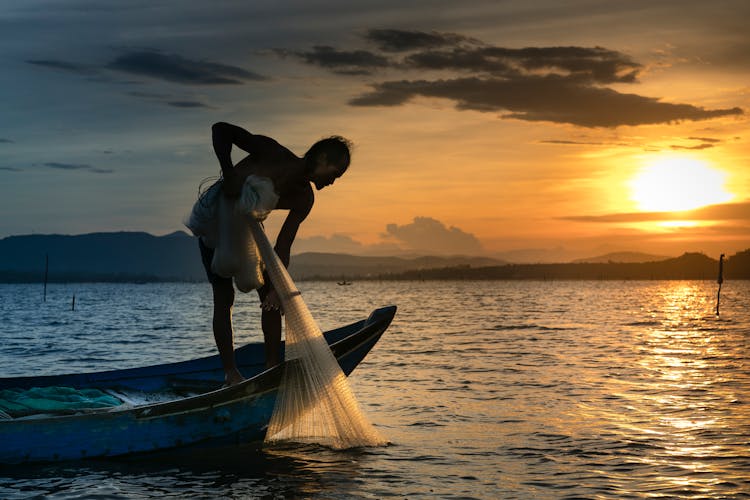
(197, 412)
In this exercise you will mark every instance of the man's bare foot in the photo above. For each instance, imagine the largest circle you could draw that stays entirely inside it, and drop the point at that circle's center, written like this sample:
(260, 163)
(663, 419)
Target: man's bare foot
(232, 378)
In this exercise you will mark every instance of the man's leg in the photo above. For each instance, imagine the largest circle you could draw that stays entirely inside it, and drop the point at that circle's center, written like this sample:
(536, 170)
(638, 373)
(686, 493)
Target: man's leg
(271, 323)
(222, 326)
(223, 291)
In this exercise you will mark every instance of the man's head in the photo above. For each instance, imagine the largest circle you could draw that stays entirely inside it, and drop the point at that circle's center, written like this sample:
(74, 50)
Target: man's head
(327, 160)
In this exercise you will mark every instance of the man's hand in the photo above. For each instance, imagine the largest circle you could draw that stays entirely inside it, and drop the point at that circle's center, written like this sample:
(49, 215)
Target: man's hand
(272, 302)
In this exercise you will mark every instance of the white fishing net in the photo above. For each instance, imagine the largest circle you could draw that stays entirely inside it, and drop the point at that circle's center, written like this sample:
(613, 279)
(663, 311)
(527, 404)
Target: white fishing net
(315, 403)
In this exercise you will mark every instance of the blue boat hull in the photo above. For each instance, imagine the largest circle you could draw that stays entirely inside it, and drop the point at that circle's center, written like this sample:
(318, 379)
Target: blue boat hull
(237, 414)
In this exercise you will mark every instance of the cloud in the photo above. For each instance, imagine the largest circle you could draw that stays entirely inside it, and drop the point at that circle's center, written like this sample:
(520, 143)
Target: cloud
(353, 62)
(342, 243)
(5, 141)
(175, 68)
(10, 169)
(559, 84)
(580, 64)
(724, 211)
(698, 147)
(336, 243)
(706, 143)
(581, 143)
(704, 139)
(67, 166)
(77, 166)
(187, 104)
(80, 69)
(583, 64)
(391, 40)
(426, 234)
(548, 98)
(169, 100)
(149, 95)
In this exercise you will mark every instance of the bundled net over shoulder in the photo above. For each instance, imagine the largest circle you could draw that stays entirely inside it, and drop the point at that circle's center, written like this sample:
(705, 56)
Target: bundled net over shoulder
(315, 403)
(222, 225)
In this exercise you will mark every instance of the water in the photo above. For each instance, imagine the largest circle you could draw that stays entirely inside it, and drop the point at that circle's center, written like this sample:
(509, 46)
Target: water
(486, 389)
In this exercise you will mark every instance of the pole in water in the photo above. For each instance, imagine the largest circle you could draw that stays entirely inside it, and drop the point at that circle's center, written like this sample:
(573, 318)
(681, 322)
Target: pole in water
(720, 280)
(46, 274)
(73, 305)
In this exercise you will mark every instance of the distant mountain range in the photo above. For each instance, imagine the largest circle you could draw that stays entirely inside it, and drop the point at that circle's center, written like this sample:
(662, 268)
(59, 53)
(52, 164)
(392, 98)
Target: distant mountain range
(121, 256)
(142, 257)
(314, 265)
(622, 258)
(689, 266)
(138, 256)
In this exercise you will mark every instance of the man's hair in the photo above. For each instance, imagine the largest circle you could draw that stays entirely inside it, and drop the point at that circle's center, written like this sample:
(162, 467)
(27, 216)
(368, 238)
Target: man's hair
(337, 151)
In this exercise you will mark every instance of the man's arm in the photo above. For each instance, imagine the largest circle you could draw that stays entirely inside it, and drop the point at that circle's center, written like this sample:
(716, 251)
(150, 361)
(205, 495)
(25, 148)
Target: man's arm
(288, 232)
(284, 241)
(224, 136)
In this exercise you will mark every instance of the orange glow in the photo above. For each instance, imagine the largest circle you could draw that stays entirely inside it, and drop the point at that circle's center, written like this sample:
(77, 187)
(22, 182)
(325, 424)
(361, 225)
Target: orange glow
(677, 183)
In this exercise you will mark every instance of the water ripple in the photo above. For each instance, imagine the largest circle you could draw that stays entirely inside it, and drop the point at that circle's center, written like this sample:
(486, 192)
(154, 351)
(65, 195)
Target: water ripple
(487, 390)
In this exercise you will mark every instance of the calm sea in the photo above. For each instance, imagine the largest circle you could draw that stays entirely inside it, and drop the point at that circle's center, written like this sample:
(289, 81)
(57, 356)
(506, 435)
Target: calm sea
(487, 390)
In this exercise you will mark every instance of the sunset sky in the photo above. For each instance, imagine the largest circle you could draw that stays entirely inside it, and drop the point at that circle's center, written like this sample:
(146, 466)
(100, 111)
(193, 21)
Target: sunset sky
(540, 130)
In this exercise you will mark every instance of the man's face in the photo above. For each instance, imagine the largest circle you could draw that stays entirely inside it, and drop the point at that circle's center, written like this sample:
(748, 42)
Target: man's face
(325, 174)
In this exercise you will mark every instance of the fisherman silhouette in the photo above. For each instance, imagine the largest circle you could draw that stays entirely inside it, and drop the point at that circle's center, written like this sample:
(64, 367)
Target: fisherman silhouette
(291, 178)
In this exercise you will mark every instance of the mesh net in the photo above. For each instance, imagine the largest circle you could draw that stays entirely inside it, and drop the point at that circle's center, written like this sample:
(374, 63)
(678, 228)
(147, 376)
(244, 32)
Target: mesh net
(315, 403)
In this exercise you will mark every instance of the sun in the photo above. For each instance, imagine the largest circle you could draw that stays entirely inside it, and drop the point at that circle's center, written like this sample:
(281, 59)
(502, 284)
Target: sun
(676, 183)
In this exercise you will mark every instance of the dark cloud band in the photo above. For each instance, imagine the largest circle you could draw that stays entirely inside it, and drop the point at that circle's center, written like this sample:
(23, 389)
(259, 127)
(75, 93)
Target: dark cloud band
(178, 69)
(70, 67)
(579, 64)
(549, 98)
(77, 166)
(186, 104)
(725, 212)
(391, 40)
(352, 62)
(553, 84)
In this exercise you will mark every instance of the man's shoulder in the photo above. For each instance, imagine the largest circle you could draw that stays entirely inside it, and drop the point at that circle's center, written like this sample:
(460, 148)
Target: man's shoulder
(271, 148)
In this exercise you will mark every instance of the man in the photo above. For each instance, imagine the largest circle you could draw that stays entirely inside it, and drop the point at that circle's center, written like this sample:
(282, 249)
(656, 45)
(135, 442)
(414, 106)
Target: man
(324, 162)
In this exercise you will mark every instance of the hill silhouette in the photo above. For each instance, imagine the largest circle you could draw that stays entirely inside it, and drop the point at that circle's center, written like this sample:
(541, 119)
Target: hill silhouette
(315, 265)
(622, 257)
(689, 266)
(142, 257)
(120, 256)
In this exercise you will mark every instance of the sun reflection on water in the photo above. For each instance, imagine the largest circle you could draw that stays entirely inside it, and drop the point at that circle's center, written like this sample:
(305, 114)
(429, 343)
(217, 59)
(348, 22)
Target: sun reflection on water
(679, 400)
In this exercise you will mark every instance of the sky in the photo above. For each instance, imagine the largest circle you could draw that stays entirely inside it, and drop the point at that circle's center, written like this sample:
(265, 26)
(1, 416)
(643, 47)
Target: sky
(526, 130)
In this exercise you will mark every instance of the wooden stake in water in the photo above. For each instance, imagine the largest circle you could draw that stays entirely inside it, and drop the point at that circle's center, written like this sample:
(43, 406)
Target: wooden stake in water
(720, 280)
(46, 274)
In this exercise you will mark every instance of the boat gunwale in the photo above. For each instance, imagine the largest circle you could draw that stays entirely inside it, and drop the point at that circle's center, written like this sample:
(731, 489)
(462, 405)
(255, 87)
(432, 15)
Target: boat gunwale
(254, 387)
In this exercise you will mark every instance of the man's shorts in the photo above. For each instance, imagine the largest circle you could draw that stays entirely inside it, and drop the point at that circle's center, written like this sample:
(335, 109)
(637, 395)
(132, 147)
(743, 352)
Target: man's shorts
(207, 255)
